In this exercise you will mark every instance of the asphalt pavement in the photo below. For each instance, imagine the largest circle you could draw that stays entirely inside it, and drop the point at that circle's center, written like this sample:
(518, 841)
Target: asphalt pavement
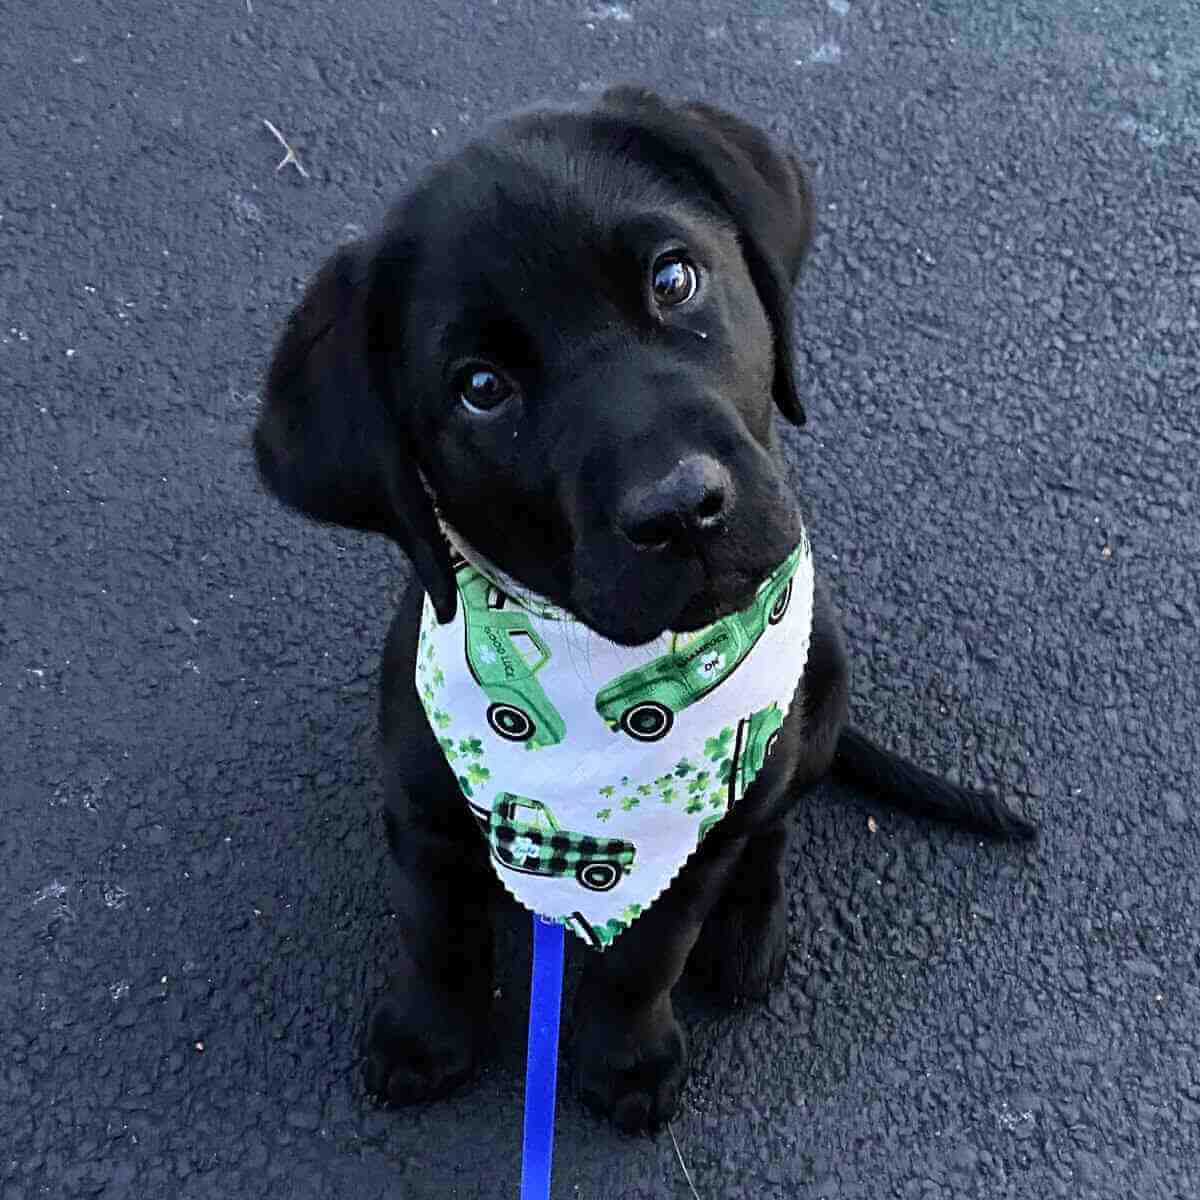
(1001, 359)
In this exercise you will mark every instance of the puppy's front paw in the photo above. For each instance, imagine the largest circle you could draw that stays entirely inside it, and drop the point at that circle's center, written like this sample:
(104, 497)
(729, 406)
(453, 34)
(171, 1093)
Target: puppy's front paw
(742, 952)
(631, 1072)
(421, 1045)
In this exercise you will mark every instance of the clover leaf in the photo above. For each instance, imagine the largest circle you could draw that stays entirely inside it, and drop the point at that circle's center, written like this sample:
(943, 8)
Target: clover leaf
(715, 747)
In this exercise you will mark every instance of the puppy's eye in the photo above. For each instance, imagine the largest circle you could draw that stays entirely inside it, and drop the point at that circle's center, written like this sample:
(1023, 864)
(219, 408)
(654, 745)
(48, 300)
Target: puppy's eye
(483, 389)
(675, 281)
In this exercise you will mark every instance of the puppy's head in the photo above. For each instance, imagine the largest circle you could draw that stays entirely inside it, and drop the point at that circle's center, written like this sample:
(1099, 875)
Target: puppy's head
(572, 336)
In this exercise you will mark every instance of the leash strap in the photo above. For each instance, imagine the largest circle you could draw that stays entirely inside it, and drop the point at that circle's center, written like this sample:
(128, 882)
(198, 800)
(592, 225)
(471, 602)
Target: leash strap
(541, 1064)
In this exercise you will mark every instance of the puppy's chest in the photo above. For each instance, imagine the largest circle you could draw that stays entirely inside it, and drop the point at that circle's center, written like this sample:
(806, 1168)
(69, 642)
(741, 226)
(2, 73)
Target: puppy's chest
(595, 770)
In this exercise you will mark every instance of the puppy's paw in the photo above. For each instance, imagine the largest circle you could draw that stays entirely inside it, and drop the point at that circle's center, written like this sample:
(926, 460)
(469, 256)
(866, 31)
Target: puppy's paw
(631, 1073)
(742, 952)
(421, 1045)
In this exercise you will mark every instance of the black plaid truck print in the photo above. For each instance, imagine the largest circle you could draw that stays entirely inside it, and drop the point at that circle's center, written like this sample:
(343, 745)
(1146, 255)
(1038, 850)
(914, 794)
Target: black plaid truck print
(597, 863)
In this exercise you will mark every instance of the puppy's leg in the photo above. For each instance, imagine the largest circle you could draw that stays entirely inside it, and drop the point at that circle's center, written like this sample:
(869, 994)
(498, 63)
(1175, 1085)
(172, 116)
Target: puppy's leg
(742, 951)
(426, 1032)
(630, 1054)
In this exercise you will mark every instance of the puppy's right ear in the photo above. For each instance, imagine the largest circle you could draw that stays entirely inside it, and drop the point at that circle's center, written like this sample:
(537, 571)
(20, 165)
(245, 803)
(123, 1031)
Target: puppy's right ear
(328, 443)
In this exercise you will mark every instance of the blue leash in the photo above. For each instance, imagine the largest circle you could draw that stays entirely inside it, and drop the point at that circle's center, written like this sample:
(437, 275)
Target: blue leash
(541, 1064)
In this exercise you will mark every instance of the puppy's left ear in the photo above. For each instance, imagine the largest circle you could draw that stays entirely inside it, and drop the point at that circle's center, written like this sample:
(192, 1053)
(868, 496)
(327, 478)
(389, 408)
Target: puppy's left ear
(331, 441)
(759, 184)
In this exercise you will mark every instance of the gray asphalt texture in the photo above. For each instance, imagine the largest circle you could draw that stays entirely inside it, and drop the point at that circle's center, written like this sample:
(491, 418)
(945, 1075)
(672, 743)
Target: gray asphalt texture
(1001, 357)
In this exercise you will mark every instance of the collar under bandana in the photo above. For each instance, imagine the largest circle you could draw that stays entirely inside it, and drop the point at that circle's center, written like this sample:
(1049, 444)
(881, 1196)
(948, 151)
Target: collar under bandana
(595, 770)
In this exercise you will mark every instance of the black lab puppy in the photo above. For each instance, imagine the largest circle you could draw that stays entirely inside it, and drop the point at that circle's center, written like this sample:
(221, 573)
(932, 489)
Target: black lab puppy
(571, 337)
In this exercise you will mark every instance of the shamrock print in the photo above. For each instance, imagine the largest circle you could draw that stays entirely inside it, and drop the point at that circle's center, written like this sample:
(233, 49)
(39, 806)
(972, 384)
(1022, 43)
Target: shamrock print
(716, 747)
(447, 745)
(478, 774)
(523, 847)
(609, 930)
(605, 814)
(472, 747)
(630, 803)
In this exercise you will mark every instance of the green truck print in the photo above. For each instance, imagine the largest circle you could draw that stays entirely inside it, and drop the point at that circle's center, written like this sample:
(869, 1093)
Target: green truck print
(505, 654)
(643, 702)
(757, 736)
(525, 837)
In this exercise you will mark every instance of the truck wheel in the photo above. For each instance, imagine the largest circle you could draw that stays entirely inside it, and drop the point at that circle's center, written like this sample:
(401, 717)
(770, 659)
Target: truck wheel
(510, 722)
(781, 605)
(647, 721)
(599, 876)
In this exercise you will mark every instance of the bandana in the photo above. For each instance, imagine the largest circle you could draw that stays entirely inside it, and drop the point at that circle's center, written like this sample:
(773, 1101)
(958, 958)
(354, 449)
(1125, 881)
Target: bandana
(595, 770)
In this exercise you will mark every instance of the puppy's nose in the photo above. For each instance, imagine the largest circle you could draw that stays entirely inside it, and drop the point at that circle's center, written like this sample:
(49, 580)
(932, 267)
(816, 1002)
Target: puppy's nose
(690, 501)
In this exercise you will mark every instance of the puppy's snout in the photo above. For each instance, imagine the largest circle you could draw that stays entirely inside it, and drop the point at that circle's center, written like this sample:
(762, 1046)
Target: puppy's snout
(687, 503)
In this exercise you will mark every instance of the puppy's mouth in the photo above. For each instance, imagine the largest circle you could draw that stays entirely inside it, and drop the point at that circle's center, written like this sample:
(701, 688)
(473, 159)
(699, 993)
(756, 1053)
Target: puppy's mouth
(713, 601)
(705, 608)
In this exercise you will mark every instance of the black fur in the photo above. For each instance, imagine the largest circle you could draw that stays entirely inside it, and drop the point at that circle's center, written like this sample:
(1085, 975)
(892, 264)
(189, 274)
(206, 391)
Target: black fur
(532, 251)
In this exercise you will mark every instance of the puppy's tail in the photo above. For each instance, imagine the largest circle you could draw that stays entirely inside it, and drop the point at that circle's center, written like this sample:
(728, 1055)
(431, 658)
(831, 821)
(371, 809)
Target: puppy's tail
(907, 787)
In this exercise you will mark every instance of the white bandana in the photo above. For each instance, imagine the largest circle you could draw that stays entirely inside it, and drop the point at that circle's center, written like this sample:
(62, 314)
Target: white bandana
(593, 769)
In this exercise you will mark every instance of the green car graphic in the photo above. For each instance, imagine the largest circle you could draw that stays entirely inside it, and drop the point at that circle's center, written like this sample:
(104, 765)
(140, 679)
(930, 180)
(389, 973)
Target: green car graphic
(643, 702)
(504, 655)
(757, 736)
(525, 837)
